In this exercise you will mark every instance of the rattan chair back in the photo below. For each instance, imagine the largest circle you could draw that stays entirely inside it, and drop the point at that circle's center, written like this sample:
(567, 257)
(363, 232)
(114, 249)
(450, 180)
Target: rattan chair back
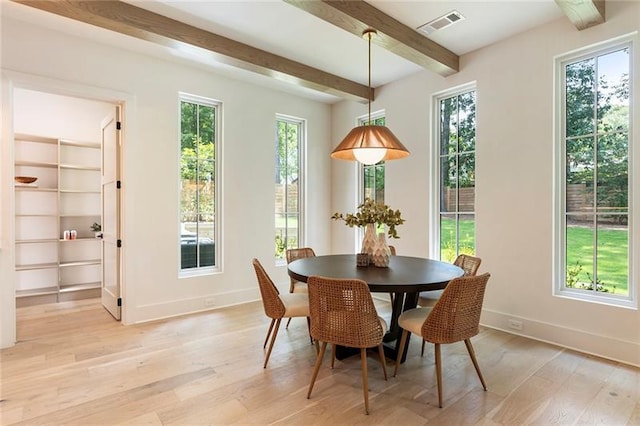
(343, 313)
(456, 315)
(299, 253)
(469, 264)
(273, 306)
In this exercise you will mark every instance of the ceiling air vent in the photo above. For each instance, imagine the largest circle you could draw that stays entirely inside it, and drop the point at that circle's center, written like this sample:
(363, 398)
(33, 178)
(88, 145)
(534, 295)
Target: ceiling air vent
(441, 22)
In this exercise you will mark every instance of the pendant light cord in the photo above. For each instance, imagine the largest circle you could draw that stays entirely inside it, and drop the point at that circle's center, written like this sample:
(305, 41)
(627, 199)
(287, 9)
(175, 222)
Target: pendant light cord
(369, 95)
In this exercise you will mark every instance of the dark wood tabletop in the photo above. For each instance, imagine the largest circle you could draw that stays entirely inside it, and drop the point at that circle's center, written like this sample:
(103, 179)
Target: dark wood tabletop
(404, 274)
(405, 277)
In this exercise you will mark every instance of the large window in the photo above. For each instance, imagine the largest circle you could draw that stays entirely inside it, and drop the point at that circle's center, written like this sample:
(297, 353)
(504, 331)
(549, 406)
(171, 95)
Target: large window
(198, 204)
(592, 235)
(456, 144)
(290, 135)
(373, 174)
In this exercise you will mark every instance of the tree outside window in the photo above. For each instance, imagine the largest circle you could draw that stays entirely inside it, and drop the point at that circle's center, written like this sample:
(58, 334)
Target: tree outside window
(596, 144)
(197, 183)
(373, 174)
(457, 144)
(288, 186)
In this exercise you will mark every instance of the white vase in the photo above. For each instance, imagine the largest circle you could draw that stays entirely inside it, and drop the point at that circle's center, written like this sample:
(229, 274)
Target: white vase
(369, 240)
(381, 252)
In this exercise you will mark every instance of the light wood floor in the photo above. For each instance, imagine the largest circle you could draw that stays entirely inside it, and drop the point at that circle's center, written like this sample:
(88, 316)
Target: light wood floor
(75, 365)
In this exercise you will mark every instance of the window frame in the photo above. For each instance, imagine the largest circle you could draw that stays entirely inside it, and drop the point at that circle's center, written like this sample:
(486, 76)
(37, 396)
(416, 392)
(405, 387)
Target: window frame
(302, 148)
(436, 210)
(361, 121)
(217, 182)
(559, 179)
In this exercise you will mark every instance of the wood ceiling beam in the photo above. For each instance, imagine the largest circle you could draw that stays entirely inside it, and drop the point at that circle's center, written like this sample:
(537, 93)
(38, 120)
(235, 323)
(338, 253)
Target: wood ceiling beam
(357, 15)
(583, 13)
(133, 21)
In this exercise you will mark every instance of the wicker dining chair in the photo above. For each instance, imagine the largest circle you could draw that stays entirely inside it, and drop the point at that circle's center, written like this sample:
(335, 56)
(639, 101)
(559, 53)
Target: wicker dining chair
(469, 265)
(297, 286)
(343, 313)
(278, 306)
(454, 318)
(295, 254)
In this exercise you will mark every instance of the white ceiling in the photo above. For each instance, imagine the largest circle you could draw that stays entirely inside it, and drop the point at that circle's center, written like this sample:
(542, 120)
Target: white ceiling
(285, 30)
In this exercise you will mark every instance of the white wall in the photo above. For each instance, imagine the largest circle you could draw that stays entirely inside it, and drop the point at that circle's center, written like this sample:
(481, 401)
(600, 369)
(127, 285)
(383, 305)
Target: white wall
(514, 180)
(37, 57)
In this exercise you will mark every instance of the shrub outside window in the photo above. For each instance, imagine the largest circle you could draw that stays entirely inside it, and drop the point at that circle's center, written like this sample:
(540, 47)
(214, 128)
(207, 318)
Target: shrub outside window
(290, 136)
(198, 180)
(456, 144)
(373, 174)
(592, 235)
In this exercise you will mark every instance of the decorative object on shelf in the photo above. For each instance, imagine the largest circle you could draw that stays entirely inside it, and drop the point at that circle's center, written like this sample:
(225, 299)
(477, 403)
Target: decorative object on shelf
(370, 144)
(371, 214)
(73, 234)
(97, 229)
(25, 179)
(66, 235)
(381, 252)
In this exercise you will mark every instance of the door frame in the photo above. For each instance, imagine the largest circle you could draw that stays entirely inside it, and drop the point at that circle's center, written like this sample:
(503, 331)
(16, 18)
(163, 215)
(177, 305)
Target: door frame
(10, 81)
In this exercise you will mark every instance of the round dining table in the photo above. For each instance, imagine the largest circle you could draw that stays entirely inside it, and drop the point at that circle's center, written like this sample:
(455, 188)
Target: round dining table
(405, 277)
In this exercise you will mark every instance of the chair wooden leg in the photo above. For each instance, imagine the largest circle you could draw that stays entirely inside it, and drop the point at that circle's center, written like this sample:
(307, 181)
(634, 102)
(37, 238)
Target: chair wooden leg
(266, 339)
(365, 381)
(403, 341)
(287, 325)
(316, 368)
(439, 373)
(273, 339)
(472, 354)
(333, 355)
(422, 350)
(308, 327)
(391, 298)
(382, 360)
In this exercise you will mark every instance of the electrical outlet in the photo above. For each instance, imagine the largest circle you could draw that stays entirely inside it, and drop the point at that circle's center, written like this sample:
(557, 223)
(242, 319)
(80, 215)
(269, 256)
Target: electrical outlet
(209, 302)
(515, 324)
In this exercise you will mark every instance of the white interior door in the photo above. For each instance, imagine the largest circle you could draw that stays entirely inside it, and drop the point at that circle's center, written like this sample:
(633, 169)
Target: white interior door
(111, 298)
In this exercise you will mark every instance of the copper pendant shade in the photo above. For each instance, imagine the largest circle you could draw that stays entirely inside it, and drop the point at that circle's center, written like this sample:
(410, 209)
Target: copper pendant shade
(370, 137)
(368, 143)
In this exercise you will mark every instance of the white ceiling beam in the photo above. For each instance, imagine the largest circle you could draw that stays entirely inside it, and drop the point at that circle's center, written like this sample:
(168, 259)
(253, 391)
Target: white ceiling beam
(583, 13)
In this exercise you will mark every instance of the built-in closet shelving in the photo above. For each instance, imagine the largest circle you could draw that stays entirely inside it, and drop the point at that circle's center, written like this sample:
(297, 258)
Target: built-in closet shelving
(66, 196)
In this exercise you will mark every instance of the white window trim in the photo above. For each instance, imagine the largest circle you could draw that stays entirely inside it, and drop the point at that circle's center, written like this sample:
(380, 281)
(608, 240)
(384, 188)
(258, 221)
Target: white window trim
(218, 234)
(302, 181)
(360, 121)
(559, 183)
(434, 199)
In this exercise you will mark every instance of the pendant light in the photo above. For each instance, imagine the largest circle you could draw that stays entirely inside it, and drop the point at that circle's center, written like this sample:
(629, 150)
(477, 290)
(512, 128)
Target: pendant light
(370, 144)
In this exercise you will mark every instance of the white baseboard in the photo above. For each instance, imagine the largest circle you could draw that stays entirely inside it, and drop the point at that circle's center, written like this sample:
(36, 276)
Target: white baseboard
(152, 312)
(579, 340)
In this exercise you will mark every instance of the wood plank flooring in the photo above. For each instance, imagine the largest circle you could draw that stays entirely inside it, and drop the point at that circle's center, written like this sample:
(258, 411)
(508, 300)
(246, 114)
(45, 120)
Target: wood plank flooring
(75, 365)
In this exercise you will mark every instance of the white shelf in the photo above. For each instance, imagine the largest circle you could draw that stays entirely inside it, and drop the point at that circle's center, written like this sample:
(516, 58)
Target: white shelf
(77, 167)
(79, 287)
(36, 164)
(80, 263)
(43, 240)
(36, 266)
(37, 292)
(63, 197)
(24, 187)
(78, 191)
(80, 144)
